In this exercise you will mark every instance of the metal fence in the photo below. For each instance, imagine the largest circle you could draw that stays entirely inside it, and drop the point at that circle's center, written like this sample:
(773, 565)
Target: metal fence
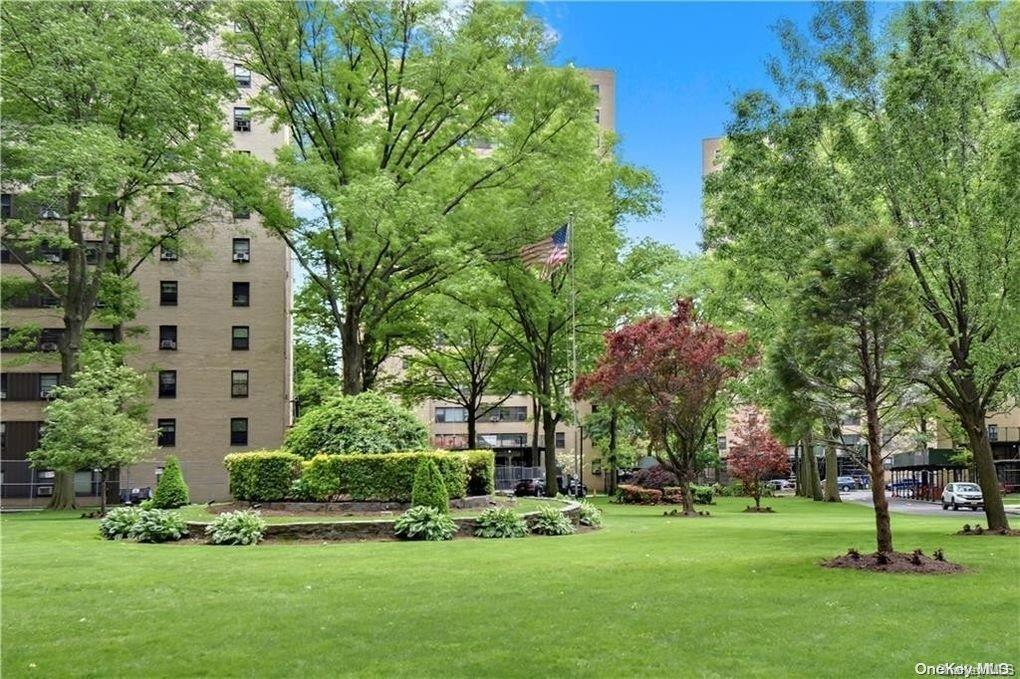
(507, 476)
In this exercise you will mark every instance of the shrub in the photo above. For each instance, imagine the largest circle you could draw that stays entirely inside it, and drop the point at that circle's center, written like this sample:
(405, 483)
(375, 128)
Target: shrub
(262, 475)
(657, 477)
(634, 495)
(146, 504)
(673, 495)
(118, 523)
(428, 489)
(481, 471)
(735, 489)
(171, 491)
(299, 491)
(424, 523)
(500, 522)
(364, 423)
(551, 521)
(158, 525)
(702, 495)
(385, 478)
(590, 515)
(243, 527)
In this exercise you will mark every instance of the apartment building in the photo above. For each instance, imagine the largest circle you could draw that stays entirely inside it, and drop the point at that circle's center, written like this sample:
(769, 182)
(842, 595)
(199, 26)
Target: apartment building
(214, 334)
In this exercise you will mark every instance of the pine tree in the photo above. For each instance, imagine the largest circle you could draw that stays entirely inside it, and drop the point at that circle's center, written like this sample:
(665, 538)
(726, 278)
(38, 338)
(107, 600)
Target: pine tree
(429, 490)
(172, 491)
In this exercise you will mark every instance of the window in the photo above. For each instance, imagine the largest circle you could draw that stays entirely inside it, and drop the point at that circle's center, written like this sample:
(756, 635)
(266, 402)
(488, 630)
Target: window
(993, 432)
(239, 338)
(561, 439)
(242, 249)
(241, 211)
(167, 252)
(46, 383)
(598, 116)
(451, 414)
(167, 437)
(239, 384)
(49, 339)
(238, 431)
(595, 89)
(168, 337)
(3, 386)
(507, 414)
(168, 293)
(102, 334)
(6, 205)
(720, 443)
(240, 294)
(242, 76)
(168, 384)
(242, 119)
(5, 254)
(451, 441)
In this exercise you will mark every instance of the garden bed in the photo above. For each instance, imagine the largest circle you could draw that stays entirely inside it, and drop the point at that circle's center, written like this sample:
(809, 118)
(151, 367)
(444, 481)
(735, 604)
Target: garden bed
(894, 562)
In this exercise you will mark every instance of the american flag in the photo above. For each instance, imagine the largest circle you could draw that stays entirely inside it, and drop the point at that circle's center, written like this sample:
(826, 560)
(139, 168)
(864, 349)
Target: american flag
(548, 253)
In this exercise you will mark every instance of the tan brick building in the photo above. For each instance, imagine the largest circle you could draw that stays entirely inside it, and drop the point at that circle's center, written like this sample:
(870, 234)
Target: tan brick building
(215, 337)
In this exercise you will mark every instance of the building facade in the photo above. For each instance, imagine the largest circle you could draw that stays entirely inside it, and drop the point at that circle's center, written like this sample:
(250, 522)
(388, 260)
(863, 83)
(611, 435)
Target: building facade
(213, 332)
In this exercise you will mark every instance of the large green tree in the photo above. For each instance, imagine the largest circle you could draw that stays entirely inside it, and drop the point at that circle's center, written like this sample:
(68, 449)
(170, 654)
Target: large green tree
(111, 117)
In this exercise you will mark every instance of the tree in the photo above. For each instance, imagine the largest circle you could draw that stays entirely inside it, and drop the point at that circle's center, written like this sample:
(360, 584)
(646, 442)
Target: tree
(403, 116)
(98, 422)
(670, 372)
(847, 339)
(429, 489)
(755, 455)
(316, 352)
(366, 423)
(111, 118)
(171, 491)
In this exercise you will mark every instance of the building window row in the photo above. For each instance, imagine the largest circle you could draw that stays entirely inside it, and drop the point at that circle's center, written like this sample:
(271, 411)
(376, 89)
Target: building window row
(240, 336)
(28, 386)
(239, 383)
(446, 414)
(240, 249)
(240, 293)
(46, 340)
(51, 254)
(167, 432)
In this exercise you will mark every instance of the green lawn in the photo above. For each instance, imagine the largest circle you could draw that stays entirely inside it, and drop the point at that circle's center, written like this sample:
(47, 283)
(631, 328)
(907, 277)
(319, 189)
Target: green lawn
(728, 596)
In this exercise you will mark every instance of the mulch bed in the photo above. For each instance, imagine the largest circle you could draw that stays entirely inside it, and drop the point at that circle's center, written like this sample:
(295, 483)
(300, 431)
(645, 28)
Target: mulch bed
(758, 510)
(894, 562)
(679, 513)
(978, 530)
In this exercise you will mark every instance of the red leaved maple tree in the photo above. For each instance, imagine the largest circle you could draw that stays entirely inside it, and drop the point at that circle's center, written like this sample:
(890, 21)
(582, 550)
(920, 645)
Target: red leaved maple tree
(755, 455)
(670, 373)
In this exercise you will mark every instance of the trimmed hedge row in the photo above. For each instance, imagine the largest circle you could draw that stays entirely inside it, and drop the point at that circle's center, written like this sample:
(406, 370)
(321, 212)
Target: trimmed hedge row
(266, 476)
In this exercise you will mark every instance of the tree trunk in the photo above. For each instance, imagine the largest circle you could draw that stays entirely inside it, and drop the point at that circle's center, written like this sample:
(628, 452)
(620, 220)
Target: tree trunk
(883, 527)
(70, 352)
(688, 497)
(798, 465)
(757, 495)
(102, 492)
(536, 410)
(352, 355)
(812, 461)
(981, 448)
(549, 432)
(611, 480)
(832, 467)
(472, 421)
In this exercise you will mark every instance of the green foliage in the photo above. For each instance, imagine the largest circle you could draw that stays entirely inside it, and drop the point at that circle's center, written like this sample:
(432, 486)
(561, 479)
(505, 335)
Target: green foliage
(119, 522)
(636, 495)
(262, 475)
(172, 491)
(481, 471)
(242, 527)
(734, 489)
(388, 477)
(551, 521)
(702, 495)
(159, 525)
(365, 423)
(590, 515)
(428, 489)
(500, 522)
(424, 523)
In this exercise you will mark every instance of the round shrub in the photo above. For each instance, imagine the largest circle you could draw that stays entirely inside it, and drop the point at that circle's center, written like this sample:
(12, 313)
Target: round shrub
(551, 521)
(118, 523)
(590, 515)
(171, 491)
(158, 525)
(424, 523)
(428, 489)
(365, 423)
(244, 527)
(500, 522)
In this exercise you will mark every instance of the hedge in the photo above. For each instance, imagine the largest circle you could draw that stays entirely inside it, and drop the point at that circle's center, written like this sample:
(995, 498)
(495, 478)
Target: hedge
(386, 477)
(636, 495)
(481, 470)
(263, 475)
(363, 423)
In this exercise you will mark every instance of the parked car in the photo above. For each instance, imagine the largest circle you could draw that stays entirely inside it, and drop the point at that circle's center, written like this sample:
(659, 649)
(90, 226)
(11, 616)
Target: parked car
(530, 488)
(958, 495)
(846, 483)
(776, 485)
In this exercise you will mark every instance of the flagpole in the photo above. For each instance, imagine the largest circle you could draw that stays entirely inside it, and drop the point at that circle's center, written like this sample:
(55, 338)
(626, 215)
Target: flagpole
(573, 350)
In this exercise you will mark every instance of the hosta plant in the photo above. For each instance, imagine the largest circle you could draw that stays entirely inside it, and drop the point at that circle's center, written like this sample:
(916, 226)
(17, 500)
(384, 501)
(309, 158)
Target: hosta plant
(590, 515)
(551, 521)
(500, 522)
(159, 525)
(424, 523)
(118, 523)
(244, 527)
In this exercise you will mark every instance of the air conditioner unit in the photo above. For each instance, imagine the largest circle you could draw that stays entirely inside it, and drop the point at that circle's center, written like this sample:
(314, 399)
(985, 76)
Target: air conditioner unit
(168, 256)
(51, 257)
(48, 213)
(3, 395)
(48, 346)
(47, 474)
(168, 344)
(241, 257)
(45, 394)
(44, 491)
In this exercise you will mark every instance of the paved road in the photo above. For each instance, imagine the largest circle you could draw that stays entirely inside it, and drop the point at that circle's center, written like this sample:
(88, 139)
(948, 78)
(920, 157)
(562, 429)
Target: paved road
(905, 506)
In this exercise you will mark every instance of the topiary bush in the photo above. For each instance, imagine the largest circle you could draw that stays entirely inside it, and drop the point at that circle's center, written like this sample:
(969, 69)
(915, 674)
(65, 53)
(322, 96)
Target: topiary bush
(500, 522)
(242, 527)
(385, 478)
(481, 471)
(428, 489)
(424, 523)
(590, 515)
(119, 522)
(171, 491)
(364, 423)
(635, 495)
(158, 525)
(262, 475)
(551, 521)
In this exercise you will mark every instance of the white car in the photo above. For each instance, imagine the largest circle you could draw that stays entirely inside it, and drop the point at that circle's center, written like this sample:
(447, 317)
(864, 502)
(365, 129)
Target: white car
(958, 495)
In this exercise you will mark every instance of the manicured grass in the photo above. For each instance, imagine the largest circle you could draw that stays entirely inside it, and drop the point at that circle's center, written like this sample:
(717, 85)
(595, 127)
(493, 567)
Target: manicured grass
(201, 513)
(731, 595)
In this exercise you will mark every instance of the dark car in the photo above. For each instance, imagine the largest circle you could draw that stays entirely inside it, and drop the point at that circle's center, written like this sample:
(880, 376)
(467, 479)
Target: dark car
(529, 488)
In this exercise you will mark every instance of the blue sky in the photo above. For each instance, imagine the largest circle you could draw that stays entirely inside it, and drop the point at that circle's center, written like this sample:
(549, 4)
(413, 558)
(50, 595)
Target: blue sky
(678, 67)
